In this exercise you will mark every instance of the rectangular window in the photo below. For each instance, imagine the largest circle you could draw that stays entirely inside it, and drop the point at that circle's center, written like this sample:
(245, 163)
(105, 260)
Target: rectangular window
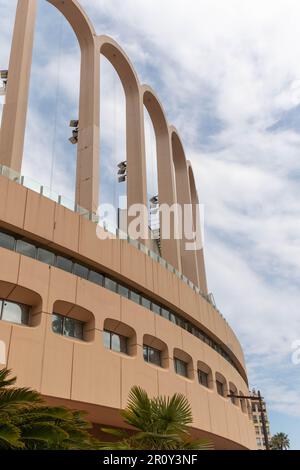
(180, 367)
(7, 241)
(110, 284)
(173, 318)
(80, 271)
(115, 342)
(165, 313)
(135, 297)
(155, 308)
(67, 326)
(123, 291)
(25, 248)
(14, 312)
(203, 378)
(46, 256)
(152, 355)
(220, 388)
(64, 263)
(145, 303)
(96, 278)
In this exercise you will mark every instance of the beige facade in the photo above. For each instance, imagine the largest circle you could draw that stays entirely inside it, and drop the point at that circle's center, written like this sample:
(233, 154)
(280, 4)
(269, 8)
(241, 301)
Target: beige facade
(79, 315)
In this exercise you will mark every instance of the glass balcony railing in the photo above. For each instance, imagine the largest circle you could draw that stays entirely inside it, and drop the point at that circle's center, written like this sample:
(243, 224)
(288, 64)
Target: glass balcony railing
(71, 205)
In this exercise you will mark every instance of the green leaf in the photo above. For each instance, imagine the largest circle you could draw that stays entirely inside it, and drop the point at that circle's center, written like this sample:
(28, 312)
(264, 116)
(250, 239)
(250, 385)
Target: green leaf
(10, 436)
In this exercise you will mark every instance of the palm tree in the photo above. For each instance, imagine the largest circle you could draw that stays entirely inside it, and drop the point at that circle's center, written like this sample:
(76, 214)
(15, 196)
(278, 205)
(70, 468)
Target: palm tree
(280, 441)
(26, 423)
(161, 424)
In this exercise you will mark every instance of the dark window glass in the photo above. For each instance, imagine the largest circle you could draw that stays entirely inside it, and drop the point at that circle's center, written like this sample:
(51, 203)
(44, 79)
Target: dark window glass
(155, 308)
(152, 355)
(203, 378)
(180, 367)
(165, 313)
(67, 326)
(110, 284)
(78, 329)
(64, 263)
(123, 291)
(106, 339)
(145, 303)
(46, 256)
(7, 241)
(115, 342)
(15, 313)
(220, 388)
(58, 324)
(96, 278)
(80, 271)
(232, 392)
(173, 318)
(135, 297)
(26, 249)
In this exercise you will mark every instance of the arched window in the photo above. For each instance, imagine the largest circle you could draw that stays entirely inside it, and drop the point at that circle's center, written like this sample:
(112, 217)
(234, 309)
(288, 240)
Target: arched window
(19, 306)
(155, 351)
(119, 337)
(233, 391)
(73, 321)
(205, 376)
(183, 364)
(243, 403)
(221, 385)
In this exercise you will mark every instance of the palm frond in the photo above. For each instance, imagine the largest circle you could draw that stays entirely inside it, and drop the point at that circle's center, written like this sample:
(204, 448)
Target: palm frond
(139, 409)
(10, 436)
(4, 380)
(16, 397)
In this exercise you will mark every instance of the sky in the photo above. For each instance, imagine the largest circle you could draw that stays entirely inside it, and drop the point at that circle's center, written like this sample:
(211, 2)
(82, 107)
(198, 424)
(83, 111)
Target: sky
(228, 75)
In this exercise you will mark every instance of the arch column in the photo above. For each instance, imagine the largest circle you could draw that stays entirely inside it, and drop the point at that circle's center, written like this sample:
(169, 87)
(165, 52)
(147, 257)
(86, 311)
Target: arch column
(170, 247)
(12, 131)
(183, 193)
(15, 110)
(87, 174)
(197, 228)
(135, 139)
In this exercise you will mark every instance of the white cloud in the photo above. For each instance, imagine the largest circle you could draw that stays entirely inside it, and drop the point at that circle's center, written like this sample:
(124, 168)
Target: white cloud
(226, 72)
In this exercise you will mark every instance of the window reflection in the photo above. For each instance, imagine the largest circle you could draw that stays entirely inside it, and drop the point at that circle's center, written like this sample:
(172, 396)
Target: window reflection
(14, 313)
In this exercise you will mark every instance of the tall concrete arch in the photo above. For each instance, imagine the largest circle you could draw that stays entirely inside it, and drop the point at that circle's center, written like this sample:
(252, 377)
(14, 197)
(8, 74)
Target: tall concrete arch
(16, 100)
(197, 228)
(183, 194)
(135, 139)
(170, 248)
(15, 109)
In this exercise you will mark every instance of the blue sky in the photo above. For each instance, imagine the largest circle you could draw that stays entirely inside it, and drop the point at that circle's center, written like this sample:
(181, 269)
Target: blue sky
(228, 74)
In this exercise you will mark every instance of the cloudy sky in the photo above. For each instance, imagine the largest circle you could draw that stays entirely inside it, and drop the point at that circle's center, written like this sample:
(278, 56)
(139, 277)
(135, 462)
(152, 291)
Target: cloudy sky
(228, 74)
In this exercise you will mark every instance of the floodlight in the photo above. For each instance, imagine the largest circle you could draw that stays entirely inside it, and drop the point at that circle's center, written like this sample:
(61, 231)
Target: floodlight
(74, 123)
(154, 200)
(122, 165)
(73, 140)
(3, 74)
(122, 179)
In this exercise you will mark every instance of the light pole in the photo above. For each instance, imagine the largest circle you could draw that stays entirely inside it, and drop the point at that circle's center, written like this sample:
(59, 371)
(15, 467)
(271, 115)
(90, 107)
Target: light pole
(258, 399)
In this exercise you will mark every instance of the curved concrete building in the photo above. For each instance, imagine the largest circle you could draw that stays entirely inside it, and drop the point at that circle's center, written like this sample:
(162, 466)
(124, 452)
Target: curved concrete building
(83, 319)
